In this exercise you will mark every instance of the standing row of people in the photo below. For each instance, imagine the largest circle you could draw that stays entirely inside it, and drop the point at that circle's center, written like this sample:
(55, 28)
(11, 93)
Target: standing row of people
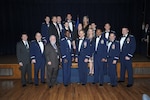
(85, 44)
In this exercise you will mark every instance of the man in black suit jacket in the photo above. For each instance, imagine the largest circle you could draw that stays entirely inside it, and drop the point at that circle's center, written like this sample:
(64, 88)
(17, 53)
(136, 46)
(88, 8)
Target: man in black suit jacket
(23, 56)
(52, 54)
(54, 29)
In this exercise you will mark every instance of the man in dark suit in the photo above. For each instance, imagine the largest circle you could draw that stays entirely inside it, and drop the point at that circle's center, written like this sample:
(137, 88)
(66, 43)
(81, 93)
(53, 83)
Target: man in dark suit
(45, 29)
(38, 58)
(23, 56)
(127, 49)
(82, 56)
(113, 51)
(52, 55)
(100, 54)
(54, 29)
(67, 57)
(59, 22)
(71, 22)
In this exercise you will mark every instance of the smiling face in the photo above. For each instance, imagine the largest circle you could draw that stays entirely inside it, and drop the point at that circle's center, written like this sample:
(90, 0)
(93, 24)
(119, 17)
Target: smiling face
(38, 36)
(47, 19)
(24, 37)
(81, 34)
(59, 19)
(125, 31)
(112, 37)
(107, 26)
(69, 17)
(52, 39)
(98, 32)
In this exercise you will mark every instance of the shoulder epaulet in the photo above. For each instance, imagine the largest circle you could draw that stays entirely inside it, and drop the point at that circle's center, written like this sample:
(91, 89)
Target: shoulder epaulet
(62, 39)
(117, 41)
(131, 35)
(33, 41)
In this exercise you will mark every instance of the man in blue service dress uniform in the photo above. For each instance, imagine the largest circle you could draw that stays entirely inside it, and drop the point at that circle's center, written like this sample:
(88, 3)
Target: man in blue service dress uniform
(127, 49)
(45, 29)
(67, 57)
(113, 51)
(38, 58)
(100, 54)
(82, 56)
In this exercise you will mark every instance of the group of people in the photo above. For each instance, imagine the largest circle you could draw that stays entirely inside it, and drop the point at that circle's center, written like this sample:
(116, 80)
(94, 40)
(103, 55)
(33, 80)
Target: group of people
(61, 43)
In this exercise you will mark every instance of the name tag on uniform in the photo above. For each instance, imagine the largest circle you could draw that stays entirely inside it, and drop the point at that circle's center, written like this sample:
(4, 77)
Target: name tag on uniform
(85, 44)
(113, 46)
(102, 41)
(128, 40)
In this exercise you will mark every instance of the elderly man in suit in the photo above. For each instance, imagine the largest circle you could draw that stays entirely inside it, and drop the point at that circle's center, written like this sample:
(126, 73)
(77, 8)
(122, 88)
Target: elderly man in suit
(52, 55)
(23, 56)
(127, 49)
(38, 58)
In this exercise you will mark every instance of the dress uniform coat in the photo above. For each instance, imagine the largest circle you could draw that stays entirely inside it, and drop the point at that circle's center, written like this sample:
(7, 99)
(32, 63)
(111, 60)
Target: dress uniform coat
(113, 52)
(99, 54)
(66, 54)
(127, 49)
(107, 39)
(82, 54)
(45, 31)
(38, 55)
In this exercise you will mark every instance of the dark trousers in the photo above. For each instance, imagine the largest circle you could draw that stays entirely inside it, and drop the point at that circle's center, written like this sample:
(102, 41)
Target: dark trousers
(112, 71)
(39, 66)
(126, 65)
(98, 70)
(66, 71)
(105, 68)
(51, 75)
(83, 70)
(26, 72)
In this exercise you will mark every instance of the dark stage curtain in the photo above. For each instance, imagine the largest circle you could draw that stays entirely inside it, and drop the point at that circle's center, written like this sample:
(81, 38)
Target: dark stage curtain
(17, 16)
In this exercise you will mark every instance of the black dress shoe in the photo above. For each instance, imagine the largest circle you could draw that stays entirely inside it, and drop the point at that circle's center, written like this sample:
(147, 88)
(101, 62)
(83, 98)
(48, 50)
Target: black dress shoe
(36, 84)
(83, 84)
(30, 83)
(50, 86)
(43, 82)
(113, 85)
(100, 84)
(93, 83)
(24, 85)
(120, 81)
(129, 85)
(65, 85)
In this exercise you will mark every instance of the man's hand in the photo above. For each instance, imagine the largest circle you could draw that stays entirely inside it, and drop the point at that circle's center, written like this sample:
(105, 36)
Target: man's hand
(33, 61)
(127, 58)
(86, 60)
(65, 60)
(104, 60)
(20, 63)
(76, 59)
(114, 61)
(49, 63)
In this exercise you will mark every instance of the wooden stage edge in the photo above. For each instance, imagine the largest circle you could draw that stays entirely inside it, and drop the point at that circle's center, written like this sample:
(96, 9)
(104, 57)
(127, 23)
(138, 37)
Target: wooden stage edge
(141, 67)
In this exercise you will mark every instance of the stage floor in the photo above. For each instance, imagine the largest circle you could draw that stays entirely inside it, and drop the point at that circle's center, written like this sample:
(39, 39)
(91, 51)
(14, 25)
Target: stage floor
(12, 90)
(11, 59)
